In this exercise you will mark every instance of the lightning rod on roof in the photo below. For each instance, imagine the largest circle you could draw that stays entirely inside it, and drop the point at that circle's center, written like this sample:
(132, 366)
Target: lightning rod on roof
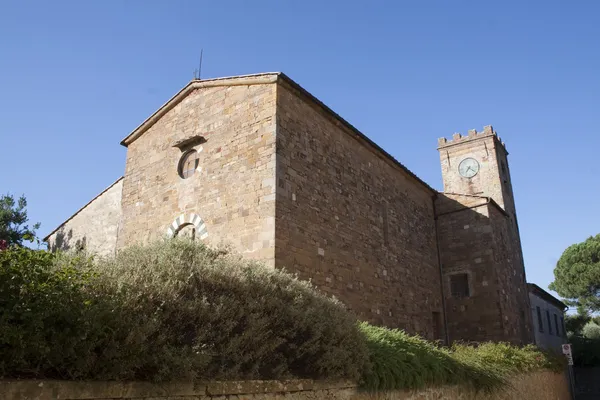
(198, 72)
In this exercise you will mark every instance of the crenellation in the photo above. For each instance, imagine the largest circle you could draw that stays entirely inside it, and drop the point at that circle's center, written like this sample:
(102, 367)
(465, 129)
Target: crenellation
(472, 134)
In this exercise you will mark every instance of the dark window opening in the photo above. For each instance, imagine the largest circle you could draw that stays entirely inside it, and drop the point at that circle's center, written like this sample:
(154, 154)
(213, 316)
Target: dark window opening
(562, 323)
(549, 322)
(556, 325)
(459, 286)
(540, 320)
(186, 231)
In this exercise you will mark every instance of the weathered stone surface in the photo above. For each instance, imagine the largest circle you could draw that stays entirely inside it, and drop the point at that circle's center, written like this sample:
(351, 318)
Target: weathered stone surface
(478, 235)
(94, 227)
(354, 222)
(233, 190)
(284, 180)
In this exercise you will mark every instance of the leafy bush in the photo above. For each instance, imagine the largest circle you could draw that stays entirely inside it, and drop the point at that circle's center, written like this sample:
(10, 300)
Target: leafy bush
(506, 359)
(591, 330)
(586, 352)
(401, 361)
(177, 309)
(42, 311)
(574, 323)
(171, 310)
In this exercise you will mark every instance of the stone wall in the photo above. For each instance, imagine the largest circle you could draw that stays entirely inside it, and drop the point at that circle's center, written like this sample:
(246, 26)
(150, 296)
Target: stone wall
(353, 221)
(94, 227)
(466, 240)
(496, 252)
(486, 148)
(513, 296)
(537, 386)
(231, 196)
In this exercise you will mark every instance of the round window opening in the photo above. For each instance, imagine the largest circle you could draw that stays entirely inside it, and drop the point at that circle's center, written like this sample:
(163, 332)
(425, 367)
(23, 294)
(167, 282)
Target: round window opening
(189, 164)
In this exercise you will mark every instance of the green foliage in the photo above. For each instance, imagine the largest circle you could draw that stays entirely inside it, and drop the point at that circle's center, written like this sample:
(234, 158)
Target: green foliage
(574, 323)
(577, 274)
(401, 361)
(505, 359)
(177, 309)
(42, 311)
(591, 331)
(586, 352)
(13, 221)
(170, 311)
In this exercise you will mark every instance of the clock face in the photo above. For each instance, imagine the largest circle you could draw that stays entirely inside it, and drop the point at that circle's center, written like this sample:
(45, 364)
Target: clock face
(469, 167)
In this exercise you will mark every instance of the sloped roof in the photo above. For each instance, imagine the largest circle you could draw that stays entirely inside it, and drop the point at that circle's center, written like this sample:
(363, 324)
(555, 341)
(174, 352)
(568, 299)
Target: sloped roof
(538, 291)
(45, 239)
(255, 79)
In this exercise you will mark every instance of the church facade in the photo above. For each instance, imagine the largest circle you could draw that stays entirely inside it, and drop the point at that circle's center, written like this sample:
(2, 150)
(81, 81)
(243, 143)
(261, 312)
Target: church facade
(258, 163)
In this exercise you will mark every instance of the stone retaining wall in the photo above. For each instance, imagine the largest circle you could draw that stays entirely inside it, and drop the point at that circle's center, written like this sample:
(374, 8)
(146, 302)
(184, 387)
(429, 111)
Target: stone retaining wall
(538, 386)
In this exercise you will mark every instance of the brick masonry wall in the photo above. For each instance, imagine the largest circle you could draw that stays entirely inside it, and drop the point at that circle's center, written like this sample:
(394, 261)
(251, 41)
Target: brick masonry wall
(536, 386)
(512, 292)
(355, 224)
(487, 150)
(466, 243)
(504, 262)
(476, 241)
(94, 227)
(234, 190)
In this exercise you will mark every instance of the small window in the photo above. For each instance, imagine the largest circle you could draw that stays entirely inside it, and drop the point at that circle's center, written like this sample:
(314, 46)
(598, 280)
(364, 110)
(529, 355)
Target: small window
(549, 322)
(556, 325)
(540, 320)
(189, 164)
(459, 286)
(562, 323)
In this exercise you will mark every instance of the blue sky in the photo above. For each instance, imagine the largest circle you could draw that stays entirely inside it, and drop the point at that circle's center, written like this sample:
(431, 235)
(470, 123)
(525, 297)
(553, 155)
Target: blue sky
(78, 76)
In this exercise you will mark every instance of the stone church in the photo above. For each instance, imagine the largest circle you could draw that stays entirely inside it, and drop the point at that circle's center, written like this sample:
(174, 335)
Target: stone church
(260, 164)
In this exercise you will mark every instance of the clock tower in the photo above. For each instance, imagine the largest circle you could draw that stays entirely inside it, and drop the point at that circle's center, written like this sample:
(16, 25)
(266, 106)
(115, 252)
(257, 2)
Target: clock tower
(479, 241)
(477, 164)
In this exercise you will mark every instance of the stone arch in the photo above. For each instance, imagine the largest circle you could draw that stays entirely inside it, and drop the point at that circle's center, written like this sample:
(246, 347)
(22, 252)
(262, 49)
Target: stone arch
(184, 220)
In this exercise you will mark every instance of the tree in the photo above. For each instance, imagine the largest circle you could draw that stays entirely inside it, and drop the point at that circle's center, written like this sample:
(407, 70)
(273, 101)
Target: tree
(13, 222)
(574, 323)
(577, 275)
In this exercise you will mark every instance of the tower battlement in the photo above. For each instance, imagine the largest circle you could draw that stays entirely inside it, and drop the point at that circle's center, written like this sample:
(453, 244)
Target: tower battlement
(457, 138)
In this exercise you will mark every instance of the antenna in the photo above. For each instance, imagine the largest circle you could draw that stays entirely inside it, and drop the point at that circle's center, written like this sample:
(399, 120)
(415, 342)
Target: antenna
(198, 71)
(200, 65)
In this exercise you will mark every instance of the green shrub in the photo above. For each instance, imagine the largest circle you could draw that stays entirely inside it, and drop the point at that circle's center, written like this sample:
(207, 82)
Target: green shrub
(591, 330)
(170, 310)
(42, 309)
(401, 361)
(177, 309)
(506, 359)
(586, 352)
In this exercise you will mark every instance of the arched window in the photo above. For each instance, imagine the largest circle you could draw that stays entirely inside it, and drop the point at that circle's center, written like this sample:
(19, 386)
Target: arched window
(190, 225)
(186, 231)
